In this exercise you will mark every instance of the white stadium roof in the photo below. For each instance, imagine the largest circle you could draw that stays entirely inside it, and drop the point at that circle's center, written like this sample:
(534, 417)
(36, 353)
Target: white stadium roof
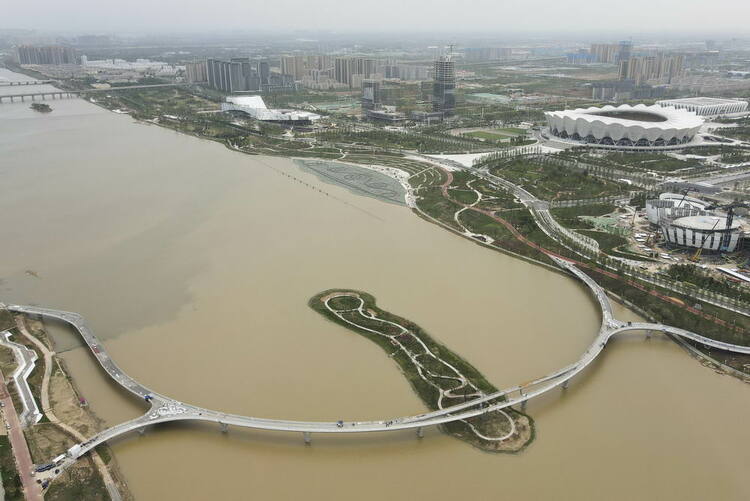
(625, 124)
(715, 223)
(702, 101)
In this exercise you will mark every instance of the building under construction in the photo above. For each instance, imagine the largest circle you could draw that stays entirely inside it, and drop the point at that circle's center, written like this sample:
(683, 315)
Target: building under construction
(708, 233)
(444, 86)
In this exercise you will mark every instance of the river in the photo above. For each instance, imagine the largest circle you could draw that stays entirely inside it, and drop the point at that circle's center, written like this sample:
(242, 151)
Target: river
(195, 264)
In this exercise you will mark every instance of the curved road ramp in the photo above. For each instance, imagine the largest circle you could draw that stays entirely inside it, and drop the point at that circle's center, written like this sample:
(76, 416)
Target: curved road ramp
(25, 363)
(164, 409)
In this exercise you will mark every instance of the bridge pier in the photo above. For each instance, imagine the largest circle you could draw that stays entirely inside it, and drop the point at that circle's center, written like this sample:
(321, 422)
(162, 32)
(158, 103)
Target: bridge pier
(224, 427)
(141, 430)
(565, 384)
(420, 432)
(648, 334)
(307, 437)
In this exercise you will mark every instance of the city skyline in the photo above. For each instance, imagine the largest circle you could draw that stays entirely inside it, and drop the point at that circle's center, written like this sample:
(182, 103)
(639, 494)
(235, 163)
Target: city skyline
(421, 16)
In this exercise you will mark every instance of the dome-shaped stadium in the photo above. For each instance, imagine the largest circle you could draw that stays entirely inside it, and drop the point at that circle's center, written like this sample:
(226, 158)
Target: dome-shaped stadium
(625, 125)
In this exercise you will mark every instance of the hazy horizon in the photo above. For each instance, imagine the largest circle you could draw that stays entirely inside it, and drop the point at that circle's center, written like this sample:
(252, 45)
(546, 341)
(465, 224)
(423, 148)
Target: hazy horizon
(513, 17)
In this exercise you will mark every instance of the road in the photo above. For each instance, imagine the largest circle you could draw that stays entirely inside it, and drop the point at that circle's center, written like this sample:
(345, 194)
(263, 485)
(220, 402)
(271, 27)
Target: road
(588, 247)
(25, 363)
(109, 482)
(32, 490)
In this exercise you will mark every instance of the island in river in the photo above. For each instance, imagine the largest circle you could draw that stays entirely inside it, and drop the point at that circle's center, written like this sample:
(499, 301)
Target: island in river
(440, 377)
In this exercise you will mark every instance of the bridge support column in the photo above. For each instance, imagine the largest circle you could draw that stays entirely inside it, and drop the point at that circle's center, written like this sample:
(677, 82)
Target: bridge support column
(307, 437)
(224, 427)
(420, 432)
(565, 384)
(141, 430)
(648, 334)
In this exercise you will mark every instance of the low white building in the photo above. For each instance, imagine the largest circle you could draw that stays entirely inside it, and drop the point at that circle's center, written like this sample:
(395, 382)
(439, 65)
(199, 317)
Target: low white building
(669, 205)
(708, 232)
(707, 106)
(256, 108)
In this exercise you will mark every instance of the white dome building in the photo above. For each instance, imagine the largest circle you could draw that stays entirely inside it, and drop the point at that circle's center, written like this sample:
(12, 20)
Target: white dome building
(712, 233)
(625, 125)
(670, 204)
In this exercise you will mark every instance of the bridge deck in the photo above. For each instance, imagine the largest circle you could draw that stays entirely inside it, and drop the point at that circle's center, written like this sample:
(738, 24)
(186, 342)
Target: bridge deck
(164, 409)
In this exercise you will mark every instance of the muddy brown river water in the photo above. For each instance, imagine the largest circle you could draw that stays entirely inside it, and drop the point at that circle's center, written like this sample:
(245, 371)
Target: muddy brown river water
(195, 264)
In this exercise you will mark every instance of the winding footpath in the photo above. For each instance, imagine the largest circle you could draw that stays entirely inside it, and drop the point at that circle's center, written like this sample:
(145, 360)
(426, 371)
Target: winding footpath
(395, 339)
(109, 482)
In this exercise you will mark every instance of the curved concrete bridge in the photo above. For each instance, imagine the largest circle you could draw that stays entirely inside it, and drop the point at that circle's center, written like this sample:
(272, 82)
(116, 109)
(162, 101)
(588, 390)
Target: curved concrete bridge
(165, 409)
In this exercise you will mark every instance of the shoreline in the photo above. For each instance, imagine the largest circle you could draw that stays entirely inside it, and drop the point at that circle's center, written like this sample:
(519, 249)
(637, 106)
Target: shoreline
(67, 419)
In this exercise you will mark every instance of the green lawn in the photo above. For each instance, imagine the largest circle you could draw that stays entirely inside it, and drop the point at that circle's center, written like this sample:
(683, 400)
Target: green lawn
(607, 241)
(569, 216)
(511, 131)
(550, 182)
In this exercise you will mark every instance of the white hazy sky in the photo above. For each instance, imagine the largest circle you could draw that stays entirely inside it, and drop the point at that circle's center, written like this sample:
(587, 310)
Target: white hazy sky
(576, 16)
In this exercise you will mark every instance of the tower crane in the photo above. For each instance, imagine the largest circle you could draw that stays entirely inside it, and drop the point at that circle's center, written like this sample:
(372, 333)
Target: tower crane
(697, 256)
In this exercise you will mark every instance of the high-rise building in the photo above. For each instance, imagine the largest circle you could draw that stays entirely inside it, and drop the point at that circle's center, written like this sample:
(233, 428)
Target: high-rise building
(264, 72)
(196, 72)
(612, 53)
(605, 52)
(444, 86)
(237, 75)
(661, 68)
(370, 94)
(487, 53)
(51, 54)
(295, 66)
(624, 50)
(345, 69)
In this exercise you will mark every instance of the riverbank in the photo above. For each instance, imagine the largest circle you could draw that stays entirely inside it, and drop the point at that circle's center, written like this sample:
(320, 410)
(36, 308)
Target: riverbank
(66, 420)
(497, 221)
(439, 376)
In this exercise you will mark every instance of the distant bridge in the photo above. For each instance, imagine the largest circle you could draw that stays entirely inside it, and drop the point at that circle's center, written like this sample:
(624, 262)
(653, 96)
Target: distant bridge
(165, 409)
(60, 94)
(51, 94)
(27, 82)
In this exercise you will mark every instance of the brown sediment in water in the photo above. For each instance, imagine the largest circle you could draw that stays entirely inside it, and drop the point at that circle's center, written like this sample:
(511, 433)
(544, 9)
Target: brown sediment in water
(195, 263)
